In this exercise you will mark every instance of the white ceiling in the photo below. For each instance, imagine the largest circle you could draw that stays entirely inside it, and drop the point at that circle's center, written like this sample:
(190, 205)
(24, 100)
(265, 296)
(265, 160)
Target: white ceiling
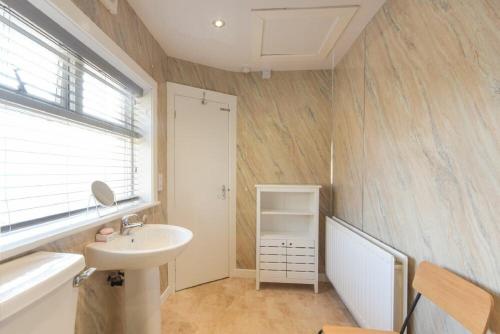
(279, 35)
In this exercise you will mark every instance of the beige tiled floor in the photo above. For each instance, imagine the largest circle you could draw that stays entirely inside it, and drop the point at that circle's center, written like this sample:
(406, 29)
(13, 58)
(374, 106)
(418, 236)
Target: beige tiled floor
(234, 306)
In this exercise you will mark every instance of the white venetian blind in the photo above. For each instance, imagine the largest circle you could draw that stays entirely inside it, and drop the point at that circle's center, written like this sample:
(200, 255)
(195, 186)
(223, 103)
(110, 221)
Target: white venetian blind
(64, 123)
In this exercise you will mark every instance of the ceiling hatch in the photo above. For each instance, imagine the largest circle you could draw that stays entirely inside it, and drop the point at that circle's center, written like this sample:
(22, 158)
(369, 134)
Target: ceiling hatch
(295, 34)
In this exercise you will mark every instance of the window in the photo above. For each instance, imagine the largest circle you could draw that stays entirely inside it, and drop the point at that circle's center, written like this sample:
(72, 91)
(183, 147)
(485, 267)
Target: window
(64, 123)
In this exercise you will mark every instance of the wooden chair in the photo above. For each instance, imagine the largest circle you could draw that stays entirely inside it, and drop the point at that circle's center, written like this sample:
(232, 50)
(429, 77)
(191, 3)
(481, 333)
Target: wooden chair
(470, 305)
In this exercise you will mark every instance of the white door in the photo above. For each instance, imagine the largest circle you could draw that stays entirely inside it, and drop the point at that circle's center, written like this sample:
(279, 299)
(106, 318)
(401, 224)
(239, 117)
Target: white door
(201, 178)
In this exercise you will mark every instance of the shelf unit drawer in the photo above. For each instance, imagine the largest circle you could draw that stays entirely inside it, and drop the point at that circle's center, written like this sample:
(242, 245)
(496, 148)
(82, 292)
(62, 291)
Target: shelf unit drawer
(300, 275)
(300, 243)
(300, 251)
(273, 242)
(272, 275)
(272, 266)
(264, 250)
(273, 258)
(300, 267)
(299, 259)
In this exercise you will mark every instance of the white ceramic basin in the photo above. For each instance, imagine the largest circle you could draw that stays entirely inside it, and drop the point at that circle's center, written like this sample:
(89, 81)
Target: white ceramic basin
(149, 246)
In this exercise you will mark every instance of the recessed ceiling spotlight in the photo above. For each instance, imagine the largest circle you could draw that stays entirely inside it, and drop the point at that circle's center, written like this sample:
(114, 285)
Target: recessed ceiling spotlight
(219, 23)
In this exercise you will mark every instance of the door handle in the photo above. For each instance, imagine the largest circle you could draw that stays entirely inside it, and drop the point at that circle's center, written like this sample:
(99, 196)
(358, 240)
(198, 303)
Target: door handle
(223, 191)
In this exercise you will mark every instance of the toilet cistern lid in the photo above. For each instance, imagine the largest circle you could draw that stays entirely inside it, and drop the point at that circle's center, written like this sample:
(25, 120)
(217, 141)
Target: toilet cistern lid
(29, 278)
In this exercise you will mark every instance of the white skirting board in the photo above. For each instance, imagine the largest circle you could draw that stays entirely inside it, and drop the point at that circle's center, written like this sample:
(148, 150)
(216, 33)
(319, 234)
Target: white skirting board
(243, 273)
(322, 277)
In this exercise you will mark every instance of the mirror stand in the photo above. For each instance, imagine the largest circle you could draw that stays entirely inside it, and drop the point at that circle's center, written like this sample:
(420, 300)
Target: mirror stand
(96, 205)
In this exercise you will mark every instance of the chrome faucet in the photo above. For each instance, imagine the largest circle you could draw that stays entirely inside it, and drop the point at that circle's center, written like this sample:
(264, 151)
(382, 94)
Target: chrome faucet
(129, 222)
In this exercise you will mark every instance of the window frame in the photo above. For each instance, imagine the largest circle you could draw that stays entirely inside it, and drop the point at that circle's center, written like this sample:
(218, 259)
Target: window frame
(69, 94)
(74, 21)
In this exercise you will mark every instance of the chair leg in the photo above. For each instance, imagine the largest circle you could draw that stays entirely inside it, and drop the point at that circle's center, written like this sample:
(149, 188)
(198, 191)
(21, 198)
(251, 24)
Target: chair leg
(407, 320)
(410, 313)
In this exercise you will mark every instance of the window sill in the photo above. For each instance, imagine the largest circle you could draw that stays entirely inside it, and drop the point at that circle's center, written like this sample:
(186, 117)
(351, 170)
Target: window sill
(17, 242)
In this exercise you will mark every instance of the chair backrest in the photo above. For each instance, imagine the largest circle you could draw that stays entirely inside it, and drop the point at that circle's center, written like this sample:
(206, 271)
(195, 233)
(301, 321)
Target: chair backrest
(468, 304)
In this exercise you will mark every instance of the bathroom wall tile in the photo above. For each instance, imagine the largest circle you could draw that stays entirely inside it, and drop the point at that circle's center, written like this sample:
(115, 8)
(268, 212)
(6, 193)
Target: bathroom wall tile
(431, 140)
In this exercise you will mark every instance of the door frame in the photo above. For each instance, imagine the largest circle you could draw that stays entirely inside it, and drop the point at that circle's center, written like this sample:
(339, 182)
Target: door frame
(173, 89)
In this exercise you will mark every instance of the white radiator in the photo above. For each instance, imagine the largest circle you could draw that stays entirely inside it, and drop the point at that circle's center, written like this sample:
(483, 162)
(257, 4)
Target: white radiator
(369, 276)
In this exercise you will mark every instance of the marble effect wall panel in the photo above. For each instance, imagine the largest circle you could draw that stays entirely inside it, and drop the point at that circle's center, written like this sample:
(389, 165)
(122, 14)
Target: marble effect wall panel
(347, 135)
(283, 135)
(430, 166)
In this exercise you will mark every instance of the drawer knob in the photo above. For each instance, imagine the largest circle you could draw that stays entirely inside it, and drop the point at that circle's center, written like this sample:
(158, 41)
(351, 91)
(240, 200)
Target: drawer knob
(282, 244)
(290, 244)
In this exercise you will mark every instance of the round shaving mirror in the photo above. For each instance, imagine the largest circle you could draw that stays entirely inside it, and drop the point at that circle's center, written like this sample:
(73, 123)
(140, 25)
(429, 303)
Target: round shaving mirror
(103, 193)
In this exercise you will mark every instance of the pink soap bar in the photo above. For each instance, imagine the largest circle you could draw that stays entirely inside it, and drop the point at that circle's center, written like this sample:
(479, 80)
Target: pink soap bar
(105, 237)
(106, 230)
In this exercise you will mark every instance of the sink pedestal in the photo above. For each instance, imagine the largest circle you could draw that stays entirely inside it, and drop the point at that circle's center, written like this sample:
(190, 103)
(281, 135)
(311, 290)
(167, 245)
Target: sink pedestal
(142, 301)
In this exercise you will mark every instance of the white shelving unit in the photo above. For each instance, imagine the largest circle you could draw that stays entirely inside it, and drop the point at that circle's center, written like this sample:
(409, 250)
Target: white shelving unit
(287, 234)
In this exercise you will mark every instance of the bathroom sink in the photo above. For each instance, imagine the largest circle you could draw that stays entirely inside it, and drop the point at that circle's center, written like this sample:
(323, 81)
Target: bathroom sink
(139, 256)
(149, 246)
